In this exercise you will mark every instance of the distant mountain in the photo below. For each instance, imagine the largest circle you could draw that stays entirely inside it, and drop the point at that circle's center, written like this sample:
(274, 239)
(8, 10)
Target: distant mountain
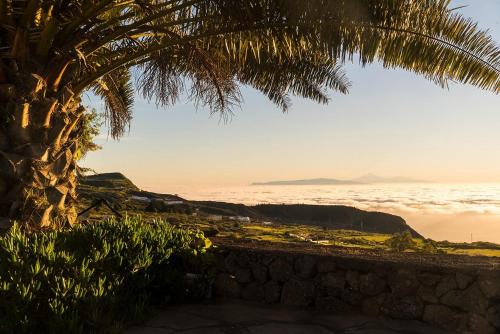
(365, 179)
(371, 178)
(308, 182)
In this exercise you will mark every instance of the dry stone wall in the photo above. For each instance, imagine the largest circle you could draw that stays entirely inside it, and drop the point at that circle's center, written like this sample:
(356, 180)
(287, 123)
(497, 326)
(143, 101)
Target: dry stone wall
(461, 300)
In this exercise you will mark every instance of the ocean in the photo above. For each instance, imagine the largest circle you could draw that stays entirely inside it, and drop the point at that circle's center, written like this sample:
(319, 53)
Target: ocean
(454, 212)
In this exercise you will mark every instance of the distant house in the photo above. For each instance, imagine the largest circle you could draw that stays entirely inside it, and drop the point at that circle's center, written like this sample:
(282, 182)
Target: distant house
(215, 217)
(141, 199)
(241, 219)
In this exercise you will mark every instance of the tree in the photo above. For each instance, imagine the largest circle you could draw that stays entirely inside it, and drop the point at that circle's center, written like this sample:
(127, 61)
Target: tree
(53, 50)
(400, 242)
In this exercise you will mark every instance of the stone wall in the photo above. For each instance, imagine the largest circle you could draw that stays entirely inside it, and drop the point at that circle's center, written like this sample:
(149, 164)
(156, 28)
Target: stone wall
(455, 299)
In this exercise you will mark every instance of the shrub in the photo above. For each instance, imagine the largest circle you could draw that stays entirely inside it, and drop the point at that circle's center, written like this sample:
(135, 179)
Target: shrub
(92, 278)
(401, 241)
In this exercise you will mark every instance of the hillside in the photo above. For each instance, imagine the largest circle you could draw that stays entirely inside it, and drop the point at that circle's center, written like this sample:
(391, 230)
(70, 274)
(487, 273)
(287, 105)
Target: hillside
(123, 195)
(344, 228)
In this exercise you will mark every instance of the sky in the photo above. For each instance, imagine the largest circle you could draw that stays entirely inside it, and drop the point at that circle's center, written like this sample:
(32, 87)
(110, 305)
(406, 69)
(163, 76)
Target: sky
(392, 123)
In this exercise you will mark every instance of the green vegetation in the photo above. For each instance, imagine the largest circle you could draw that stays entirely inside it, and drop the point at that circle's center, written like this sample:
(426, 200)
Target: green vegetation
(310, 235)
(401, 241)
(93, 278)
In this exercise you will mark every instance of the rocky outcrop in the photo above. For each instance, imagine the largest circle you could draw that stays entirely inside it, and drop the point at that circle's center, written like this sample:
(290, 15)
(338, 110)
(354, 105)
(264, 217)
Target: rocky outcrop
(459, 300)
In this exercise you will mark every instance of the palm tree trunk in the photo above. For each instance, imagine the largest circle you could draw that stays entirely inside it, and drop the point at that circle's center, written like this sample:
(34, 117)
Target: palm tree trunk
(38, 151)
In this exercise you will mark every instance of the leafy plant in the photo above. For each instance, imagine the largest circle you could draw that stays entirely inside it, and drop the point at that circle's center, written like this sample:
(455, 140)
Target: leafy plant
(401, 241)
(93, 278)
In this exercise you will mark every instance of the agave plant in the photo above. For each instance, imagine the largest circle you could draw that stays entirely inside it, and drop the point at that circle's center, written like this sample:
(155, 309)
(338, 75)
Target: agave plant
(51, 51)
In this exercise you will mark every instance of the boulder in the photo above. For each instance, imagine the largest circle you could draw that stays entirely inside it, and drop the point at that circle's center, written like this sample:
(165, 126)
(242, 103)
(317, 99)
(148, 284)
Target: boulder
(427, 295)
(479, 324)
(332, 281)
(463, 280)
(448, 283)
(272, 292)
(471, 299)
(226, 286)
(403, 283)
(406, 307)
(493, 316)
(243, 260)
(280, 270)
(372, 306)
(445, 317)
(305, 267)
(326, 266)
(352, 279)
(244, 275)
(231, 263)
(297, 293)
(490, 286)
(351, 297)
(428, 279)
(259, 272)
(371, 284)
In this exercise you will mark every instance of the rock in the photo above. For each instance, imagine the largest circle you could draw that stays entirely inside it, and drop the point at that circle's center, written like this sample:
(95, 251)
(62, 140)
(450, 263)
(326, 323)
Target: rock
(407, 307)
(332, 281)
(244, 275)
(469, 300)
(448, 283)
(403, 283)
(490, 286)
(445, 317)
(280, 270)
(351, 297)
(5, 223)
(371, 284)
(297, 293)
(272, 292)
(494, 315)
(352, 279)
(253, 291)
(479, 324)
(243, 260)
(326, 266)
(428, 279)
(463, 280)
(372, 306)
(259, 272)
(267, 260)
(305, 267)
(426, 294)
(329, 303)
(226, 285)
(231, 262)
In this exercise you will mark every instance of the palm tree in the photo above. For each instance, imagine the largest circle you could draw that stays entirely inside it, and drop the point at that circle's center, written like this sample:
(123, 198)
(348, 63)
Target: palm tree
(51, 51)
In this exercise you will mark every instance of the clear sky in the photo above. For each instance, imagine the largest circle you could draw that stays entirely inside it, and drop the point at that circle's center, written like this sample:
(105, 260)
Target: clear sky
(392, 123)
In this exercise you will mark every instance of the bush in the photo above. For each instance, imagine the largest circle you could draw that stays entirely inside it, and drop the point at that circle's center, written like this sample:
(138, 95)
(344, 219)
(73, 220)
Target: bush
(92, 278)
(401, 241)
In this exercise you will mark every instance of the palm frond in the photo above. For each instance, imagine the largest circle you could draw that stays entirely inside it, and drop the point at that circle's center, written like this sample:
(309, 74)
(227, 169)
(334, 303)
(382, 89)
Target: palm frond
(117, 91)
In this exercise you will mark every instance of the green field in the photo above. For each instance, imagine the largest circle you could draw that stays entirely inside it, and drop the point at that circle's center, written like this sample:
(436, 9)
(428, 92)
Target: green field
(316, 235)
